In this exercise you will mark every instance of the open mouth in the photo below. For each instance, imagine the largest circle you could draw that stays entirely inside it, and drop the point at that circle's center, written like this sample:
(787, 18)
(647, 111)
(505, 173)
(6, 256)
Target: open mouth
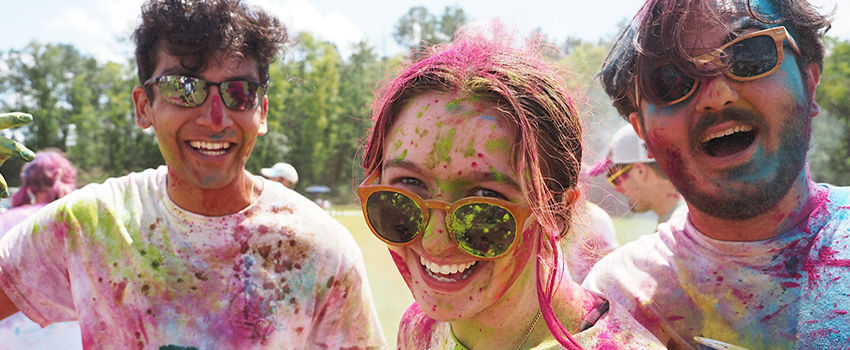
(448, 273)
(730, 141)
(210, 148)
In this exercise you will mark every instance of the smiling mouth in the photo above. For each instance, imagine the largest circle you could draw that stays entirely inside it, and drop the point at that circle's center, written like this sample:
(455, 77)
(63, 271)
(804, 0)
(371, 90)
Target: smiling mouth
(210, 148)
(448, 273)
(729, 141)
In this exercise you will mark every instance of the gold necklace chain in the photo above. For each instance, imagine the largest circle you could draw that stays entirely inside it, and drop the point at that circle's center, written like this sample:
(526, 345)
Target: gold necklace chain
(530, 328)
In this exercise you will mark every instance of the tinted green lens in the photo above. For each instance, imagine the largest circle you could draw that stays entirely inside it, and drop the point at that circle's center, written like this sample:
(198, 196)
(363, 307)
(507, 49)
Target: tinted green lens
(394, 216)
(669, 84)
(752, 57)
(482, 229)
(182, 91)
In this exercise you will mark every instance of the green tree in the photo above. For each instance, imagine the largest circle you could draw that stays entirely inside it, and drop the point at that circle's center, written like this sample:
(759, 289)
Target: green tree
(420, 27)
(307, 109)
(829, 157)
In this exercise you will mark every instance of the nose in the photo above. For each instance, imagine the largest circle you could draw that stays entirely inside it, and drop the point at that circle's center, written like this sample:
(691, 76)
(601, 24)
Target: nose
(435, 239)
(715, 93)
(214, 113)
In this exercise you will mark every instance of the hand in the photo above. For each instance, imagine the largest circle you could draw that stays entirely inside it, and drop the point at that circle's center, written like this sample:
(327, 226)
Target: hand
(11, 148)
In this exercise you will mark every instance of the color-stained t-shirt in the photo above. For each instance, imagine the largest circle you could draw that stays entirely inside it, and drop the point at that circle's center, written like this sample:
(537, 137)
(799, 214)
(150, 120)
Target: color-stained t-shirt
(591, 237)
(17, 332)
(139, 272)
(615, 329)
(787, 292)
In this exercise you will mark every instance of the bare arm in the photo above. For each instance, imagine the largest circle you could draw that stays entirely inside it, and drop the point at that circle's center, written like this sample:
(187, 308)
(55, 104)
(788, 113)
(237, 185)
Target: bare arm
(7, 307)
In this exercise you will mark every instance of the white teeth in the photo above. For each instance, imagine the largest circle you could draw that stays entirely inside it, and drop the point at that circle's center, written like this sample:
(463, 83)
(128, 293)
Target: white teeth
(730, 131)
(445, 269)
(210, 148)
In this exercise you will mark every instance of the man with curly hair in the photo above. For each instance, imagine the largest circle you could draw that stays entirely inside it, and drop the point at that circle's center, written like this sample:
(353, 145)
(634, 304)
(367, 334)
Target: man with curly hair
(198, 253)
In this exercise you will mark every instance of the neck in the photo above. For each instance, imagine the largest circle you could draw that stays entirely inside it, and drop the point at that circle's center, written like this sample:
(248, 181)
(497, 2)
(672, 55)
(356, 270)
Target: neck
(231, 198)
(505, 324)
(794, 207)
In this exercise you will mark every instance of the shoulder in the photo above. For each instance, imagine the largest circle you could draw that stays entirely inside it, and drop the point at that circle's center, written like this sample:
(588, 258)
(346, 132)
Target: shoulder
(633, 271)
(617, 329)
(416, 329)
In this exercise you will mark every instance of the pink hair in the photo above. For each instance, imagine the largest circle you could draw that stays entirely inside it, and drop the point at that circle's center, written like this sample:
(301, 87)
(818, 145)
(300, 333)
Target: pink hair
(533, 95)
(49, 172)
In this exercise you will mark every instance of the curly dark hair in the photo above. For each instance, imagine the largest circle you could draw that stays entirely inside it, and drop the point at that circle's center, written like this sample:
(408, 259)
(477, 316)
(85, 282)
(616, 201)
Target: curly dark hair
(197, 31)
(655, 34)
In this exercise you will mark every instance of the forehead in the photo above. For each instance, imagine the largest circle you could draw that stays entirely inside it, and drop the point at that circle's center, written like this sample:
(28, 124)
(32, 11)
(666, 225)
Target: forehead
(441, 122)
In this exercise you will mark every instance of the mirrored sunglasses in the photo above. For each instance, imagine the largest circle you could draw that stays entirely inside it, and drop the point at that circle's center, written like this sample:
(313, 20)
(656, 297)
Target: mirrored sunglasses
(746, 58)
(483, 227)
(238, 95)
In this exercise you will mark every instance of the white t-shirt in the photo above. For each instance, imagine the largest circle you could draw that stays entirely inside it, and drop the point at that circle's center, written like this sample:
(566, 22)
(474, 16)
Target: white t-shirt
(592, 236)
(787, 292)
(17, 332)
(139, 272)
(615, 329)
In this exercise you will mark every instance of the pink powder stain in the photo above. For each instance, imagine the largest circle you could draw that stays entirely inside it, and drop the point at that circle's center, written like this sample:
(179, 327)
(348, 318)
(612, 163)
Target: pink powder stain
(675, 318)
(401, 265)
(790, 284)
(119, 291)
(142, 327)
(216, 112)
(474, 164)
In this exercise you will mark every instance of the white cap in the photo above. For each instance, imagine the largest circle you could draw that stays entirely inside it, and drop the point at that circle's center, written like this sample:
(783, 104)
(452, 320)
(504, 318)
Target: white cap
(626, 148)
(284, 170)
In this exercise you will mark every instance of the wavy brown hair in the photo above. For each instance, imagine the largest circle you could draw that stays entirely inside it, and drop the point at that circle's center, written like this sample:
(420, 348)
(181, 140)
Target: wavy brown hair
(197, 31)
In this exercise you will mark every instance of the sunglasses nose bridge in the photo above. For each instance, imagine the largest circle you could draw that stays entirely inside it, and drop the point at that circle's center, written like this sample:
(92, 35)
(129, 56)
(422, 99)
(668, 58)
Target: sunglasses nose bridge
(436, 240)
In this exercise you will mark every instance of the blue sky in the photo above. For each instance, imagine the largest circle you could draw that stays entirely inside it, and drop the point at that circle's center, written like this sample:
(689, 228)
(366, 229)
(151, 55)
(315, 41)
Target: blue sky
(102, 27)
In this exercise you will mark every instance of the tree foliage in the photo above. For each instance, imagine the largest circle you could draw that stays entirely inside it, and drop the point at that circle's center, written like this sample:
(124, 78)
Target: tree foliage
(319, 105)
(829, 158)
(421, 27)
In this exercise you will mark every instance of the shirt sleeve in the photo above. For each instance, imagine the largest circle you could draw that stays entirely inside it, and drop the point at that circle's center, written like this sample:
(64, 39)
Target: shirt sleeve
(348, 318)
(34, 267)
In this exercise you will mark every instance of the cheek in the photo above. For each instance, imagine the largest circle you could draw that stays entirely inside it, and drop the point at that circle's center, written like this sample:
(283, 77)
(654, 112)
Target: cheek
(401, 264)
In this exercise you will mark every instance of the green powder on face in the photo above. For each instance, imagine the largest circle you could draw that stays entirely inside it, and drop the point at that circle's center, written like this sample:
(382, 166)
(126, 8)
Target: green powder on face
(500, 144)
(454, 106)
(470, 151)
(440, 151)
(397, 144)
(402, 155)
(499, 177)
(439, 124)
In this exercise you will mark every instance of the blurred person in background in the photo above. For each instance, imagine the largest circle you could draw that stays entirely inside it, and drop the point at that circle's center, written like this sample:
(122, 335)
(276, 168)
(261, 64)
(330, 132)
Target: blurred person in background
(282, 172)
(47, 178)
(638, 177)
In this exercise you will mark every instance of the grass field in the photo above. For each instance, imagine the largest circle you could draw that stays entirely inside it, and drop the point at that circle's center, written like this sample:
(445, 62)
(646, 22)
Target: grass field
(390, 292)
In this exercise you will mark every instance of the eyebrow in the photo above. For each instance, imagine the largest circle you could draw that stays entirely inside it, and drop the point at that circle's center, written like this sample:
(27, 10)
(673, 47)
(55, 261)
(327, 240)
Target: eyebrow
(477, 176)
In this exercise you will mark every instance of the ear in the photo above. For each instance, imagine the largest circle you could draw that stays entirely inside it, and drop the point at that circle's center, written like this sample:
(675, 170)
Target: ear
(264, 111)
(643, 170)
(570, 197)
(813, 79)
(144, 117)
(637, 124)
